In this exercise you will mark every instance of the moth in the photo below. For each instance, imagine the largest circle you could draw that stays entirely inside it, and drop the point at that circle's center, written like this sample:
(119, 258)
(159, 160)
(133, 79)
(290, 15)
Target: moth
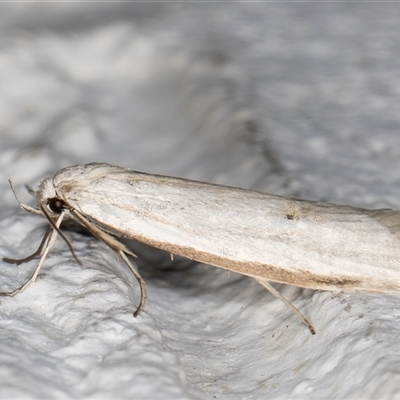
(309, 244)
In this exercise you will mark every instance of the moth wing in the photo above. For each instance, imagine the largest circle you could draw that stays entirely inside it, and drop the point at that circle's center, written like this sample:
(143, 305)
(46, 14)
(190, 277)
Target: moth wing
(309, 244)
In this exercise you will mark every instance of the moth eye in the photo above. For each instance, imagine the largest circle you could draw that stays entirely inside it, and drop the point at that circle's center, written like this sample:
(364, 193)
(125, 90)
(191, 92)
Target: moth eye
(55, 205)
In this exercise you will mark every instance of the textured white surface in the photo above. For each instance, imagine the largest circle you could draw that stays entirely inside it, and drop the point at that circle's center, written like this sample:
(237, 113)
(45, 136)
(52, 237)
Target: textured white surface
(295, 99)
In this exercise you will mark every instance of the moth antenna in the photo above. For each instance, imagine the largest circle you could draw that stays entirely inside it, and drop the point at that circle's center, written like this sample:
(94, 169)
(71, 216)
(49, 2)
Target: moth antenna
(55, 227)
(295, 310)
(26, 208)
(33, 255)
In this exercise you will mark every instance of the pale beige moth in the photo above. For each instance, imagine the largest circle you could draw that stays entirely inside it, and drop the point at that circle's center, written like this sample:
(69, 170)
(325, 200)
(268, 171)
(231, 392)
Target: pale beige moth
(310, 244)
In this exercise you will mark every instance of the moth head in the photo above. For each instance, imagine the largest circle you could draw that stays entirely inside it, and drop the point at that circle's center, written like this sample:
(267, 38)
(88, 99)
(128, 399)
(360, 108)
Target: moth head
(47, 198)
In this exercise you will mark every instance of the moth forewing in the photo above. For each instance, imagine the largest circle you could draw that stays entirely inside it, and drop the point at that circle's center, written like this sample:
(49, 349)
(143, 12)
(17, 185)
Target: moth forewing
(309, 244)
(271, 238)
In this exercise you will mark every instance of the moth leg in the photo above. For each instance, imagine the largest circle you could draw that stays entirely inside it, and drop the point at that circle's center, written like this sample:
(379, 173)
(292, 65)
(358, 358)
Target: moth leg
(51, 236)
(295, 310)
(56, 226)
(141, 281)
(49, 245)
(119, 249)
(37, 253)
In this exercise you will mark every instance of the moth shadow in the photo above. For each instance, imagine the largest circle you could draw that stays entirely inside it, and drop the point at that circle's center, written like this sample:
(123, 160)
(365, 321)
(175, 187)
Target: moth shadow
(160, 268)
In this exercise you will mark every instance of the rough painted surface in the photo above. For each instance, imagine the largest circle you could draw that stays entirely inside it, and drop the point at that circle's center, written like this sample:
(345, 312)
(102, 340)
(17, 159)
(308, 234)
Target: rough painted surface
(294, 99)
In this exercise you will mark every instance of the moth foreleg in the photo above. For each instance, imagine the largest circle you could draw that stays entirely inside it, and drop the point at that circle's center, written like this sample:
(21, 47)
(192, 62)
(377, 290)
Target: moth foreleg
(48, 242)
(48, 245)
(37, 253)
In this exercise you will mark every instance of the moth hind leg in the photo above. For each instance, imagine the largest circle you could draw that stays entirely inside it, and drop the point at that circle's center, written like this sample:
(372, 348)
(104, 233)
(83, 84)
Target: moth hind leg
(142, 283)
(294, 309)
